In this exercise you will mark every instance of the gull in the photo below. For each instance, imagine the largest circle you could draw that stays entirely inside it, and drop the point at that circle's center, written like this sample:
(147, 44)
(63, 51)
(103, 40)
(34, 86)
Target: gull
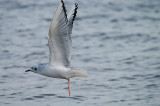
(59, 40)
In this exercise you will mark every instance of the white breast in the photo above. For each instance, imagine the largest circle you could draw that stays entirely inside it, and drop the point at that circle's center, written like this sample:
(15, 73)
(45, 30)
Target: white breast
(54, 71)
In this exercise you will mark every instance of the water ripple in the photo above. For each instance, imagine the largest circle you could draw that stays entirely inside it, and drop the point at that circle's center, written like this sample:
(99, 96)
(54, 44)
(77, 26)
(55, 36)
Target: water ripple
(117, 43)
(24, 99)
(48, 95)
(151, 86)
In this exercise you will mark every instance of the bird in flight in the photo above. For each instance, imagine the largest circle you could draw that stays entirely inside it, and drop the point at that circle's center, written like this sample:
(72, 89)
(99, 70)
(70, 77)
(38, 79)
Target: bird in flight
(59, 40)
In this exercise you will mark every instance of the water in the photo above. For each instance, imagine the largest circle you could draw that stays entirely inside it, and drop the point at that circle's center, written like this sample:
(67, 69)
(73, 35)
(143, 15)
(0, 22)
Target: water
(117, 42)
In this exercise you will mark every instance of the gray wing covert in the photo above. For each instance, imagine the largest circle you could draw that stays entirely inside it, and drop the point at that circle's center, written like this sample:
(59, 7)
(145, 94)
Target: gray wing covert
(59, 37)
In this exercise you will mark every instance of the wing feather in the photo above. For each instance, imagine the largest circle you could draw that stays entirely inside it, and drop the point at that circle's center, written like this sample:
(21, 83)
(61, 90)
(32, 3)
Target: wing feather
(59, 38)
(71, 17)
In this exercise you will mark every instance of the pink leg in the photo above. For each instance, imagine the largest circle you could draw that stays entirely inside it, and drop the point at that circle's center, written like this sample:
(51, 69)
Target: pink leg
(69, 87)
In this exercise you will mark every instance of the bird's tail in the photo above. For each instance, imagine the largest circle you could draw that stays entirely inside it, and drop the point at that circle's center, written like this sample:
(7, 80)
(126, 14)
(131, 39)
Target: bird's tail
(75, 72)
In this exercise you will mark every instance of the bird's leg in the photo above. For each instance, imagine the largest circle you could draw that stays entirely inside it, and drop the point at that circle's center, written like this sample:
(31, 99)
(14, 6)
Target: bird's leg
(69, 87)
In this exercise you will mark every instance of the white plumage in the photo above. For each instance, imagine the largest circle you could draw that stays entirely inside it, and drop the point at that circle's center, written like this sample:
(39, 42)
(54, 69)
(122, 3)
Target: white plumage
(59, 40)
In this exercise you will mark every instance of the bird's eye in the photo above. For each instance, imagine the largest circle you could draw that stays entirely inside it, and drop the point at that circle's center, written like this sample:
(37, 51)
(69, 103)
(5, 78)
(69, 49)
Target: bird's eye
(35, 68)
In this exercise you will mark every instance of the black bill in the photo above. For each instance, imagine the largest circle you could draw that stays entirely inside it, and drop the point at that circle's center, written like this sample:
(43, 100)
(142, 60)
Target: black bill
(27, 70)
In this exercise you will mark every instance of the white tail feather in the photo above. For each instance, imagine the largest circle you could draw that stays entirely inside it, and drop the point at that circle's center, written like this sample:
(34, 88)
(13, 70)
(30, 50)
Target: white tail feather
(75, 72)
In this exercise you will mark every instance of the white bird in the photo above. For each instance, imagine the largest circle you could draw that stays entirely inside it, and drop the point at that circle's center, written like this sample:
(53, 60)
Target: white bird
(59, 40)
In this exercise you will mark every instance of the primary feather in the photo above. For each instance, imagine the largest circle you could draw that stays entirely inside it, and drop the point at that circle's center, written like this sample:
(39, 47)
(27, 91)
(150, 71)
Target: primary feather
(59, 37)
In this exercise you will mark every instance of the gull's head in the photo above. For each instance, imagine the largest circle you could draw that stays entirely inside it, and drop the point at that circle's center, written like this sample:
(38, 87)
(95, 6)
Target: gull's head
(33, 69)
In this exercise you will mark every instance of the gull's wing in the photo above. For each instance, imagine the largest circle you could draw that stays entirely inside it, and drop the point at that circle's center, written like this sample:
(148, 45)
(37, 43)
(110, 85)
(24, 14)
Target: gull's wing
(71, 16)
(59, 36)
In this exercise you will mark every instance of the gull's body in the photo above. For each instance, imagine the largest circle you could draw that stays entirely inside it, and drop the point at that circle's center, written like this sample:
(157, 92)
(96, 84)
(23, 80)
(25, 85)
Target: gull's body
(59, 40)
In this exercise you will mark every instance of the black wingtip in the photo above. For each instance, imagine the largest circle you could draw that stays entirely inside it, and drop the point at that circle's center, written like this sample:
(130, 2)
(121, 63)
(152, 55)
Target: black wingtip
(65, 11)
(75, 12)
(76, 4)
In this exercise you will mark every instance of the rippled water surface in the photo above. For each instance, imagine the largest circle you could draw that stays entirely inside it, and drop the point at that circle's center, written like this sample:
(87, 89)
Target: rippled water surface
(116, 41)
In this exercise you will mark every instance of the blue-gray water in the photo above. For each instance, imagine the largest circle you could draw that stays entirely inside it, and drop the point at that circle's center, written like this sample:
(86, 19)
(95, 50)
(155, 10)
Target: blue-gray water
(116, 41)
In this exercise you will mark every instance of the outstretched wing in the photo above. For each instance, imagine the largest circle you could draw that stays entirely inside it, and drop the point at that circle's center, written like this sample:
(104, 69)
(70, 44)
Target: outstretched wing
(59, 36)
(71, 16)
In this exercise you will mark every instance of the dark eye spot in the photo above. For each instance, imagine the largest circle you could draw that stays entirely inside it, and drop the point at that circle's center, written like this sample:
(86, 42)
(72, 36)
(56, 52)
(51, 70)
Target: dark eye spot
(35, 68)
